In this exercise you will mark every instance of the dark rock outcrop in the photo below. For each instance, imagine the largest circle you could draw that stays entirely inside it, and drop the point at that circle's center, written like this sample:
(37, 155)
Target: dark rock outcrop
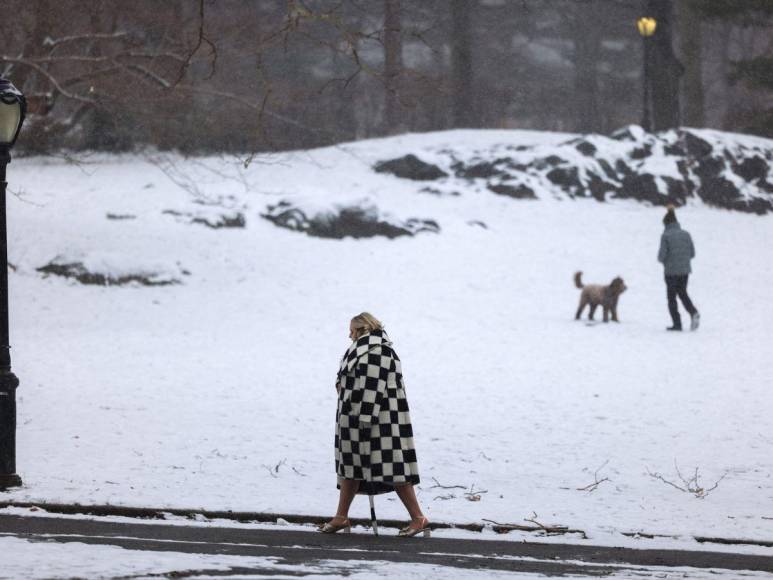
(695, 146)
(567, 178)
(352, 221)
(218, 221)
(586, 148)
(642, 187)
(79, 272)
(552, 160)
(478, 170)
(410, 167)
(518, 191)
(752, 168)
(599, 188)
(438, 192)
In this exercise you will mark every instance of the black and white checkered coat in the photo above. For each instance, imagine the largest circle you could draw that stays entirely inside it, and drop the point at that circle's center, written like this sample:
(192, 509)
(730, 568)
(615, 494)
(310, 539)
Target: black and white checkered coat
(374, 437)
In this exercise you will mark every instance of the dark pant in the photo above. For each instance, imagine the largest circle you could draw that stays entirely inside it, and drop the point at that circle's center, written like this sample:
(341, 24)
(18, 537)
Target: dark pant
(677, 286)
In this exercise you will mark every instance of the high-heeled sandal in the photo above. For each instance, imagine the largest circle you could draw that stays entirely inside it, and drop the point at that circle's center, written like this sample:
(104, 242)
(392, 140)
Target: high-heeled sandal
(410, 531)
(331, 528)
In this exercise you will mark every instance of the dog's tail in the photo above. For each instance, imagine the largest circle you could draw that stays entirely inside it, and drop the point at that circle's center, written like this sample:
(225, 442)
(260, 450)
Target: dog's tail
(578, 280)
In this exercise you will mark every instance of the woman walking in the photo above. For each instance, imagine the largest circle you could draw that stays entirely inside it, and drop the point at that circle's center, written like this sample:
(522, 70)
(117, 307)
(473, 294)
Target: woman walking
(374, 451)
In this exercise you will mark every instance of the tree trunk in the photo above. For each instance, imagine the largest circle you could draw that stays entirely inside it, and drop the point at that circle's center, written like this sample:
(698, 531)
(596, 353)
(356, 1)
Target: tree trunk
(692, 53)
(587, 46)
(461, 64)
(393, 63)
(98, 127)
(664, 68)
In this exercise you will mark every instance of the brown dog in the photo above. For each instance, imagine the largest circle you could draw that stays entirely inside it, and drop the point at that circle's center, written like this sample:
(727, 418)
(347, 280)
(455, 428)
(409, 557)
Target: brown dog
(595, 294)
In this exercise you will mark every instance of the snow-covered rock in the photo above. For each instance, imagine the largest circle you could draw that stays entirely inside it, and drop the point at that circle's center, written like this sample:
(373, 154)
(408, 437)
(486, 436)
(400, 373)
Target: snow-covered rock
(362, 220)
(101, 268)
(674, 167)
(216, 220)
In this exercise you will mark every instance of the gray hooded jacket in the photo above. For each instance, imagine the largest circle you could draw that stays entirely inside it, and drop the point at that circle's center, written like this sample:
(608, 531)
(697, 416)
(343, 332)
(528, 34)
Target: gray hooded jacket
(676, 251)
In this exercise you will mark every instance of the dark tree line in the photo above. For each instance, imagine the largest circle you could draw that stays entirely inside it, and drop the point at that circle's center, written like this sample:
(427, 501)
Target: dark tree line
(241, 75)
(744, 31)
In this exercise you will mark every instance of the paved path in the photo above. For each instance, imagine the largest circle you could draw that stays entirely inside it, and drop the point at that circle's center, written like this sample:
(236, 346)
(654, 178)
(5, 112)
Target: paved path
(309, 548)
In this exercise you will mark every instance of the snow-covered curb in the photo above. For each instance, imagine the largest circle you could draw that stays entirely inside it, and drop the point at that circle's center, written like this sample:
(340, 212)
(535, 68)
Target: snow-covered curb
(125, 513)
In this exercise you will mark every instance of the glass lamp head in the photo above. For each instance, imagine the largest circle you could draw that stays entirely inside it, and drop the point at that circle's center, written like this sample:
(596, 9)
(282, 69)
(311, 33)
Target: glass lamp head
(13, 107)
(646, 26)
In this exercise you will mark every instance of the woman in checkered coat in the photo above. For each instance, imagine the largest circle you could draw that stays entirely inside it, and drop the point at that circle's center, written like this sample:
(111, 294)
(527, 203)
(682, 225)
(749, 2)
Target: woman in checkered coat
(374, 451)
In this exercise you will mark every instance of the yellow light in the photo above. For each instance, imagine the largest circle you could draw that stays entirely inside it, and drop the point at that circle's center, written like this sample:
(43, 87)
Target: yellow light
(646, 25)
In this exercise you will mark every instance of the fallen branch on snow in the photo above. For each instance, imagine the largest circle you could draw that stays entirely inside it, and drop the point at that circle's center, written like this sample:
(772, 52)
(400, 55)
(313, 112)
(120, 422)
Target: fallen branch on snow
(691, 485)
(500, 528)
(473, 494)
(438, 484)
(596, 481)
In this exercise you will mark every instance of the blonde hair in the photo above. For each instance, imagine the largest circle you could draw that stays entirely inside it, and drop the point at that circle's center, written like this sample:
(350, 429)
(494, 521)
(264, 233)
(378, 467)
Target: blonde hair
(365, 322)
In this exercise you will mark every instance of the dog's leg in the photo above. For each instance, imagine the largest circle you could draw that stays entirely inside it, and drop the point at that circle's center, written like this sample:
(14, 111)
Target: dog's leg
(614, 313)
(606, 313)
(579, 310)
(592, 311)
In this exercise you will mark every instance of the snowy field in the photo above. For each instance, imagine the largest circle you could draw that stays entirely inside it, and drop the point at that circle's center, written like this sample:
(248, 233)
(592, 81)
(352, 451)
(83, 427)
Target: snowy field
(218, 393)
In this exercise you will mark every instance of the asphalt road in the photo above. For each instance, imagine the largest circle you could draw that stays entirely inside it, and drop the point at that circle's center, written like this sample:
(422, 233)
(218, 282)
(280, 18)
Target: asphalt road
(309, 548)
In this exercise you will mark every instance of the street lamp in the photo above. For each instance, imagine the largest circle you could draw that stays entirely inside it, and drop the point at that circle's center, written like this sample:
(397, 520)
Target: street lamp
(646, 26)
(12, 110)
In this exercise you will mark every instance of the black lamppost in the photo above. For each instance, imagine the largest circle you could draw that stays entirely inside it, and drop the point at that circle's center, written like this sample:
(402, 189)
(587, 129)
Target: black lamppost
(12, 110)
(646, 26)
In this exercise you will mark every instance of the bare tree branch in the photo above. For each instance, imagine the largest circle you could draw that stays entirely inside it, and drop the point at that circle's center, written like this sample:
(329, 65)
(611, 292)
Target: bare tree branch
(50, 77)
(201, 40)
(54, 42)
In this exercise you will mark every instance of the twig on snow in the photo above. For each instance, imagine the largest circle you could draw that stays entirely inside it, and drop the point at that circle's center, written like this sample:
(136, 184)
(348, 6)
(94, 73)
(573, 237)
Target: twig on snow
(553, 529)
(500, 528)
(596, 481)
(473, 494)
(273, 471)
(438, 484)
(691, 485)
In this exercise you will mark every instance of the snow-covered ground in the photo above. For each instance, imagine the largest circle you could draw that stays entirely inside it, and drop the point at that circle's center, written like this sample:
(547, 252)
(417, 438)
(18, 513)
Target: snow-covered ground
(217, 393)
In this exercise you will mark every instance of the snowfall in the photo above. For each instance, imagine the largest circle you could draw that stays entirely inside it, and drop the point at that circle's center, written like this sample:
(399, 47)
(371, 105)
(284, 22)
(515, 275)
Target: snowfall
(216, 392)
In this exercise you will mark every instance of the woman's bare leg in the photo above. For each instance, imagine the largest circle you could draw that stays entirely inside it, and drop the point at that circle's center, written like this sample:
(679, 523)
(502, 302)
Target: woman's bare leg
(349, 489)
(408, 497)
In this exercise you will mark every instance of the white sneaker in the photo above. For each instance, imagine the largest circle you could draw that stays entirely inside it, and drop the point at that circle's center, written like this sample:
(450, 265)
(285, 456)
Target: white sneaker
(695, 321)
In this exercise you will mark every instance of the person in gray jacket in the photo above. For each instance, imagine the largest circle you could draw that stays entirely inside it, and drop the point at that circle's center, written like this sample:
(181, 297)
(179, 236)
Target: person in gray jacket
(676, 251)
